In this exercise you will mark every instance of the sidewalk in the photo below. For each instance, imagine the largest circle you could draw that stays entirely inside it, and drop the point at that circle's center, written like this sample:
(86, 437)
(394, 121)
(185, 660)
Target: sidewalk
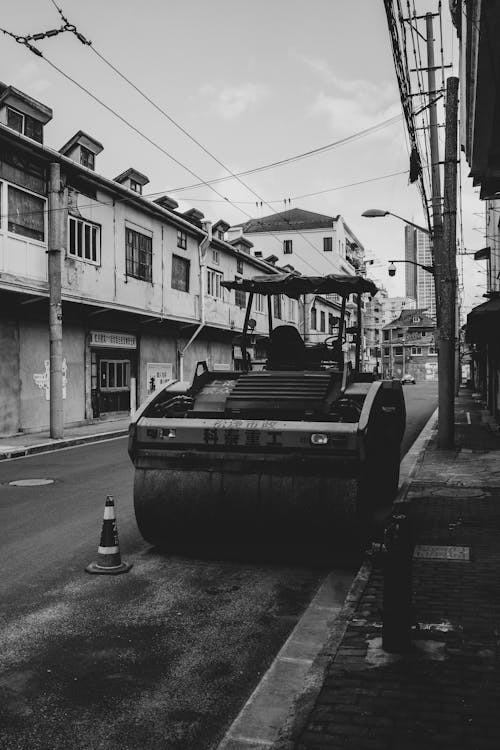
(25, 443)
(445, 692)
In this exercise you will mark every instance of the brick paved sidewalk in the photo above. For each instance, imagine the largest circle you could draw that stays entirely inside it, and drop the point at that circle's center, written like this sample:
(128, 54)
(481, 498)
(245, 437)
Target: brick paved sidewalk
(445, 692)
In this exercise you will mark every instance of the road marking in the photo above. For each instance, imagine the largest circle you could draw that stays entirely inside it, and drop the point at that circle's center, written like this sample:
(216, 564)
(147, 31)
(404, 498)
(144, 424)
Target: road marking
(468, 417)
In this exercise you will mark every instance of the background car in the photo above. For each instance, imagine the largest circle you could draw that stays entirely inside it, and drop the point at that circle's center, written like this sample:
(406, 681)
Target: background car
(407, 379)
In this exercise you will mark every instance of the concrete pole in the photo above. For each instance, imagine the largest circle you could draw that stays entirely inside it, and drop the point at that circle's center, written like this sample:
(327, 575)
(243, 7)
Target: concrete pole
(448, 282)
(437, 222)
(55, 306)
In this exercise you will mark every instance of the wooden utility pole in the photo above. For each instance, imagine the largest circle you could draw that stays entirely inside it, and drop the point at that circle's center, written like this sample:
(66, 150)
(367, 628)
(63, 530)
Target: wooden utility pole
(55, 305)
(448, 280)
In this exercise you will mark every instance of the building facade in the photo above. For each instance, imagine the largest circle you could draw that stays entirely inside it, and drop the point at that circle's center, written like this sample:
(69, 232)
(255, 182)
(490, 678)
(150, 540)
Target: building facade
(141, 295)
(419, 283)
(408, 346)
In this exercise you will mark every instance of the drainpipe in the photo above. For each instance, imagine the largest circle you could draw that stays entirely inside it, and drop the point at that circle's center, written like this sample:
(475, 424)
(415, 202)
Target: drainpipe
(202, 256)
(55, 305)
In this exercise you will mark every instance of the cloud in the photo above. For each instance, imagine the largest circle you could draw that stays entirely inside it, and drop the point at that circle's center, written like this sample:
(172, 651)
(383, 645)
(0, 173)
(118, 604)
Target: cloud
(354, 104)
(229, 102)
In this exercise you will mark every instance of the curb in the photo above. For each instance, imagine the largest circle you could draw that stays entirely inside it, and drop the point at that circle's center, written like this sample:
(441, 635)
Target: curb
(55, 445)
(304, 703)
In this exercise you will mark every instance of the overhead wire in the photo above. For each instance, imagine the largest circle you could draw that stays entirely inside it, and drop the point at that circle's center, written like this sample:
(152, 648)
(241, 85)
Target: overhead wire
(197, 142)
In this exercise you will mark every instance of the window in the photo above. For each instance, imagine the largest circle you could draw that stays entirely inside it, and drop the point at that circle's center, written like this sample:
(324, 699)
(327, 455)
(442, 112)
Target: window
(327, 244)
(416, 351)
(214, 279)
(313, 318)
(114, 374)
(87, 158)
(322, 321)
(291, 309)
(136, 187)
(138, 255)
(220, 234)
(84, 240)
(180, 273)
(215, 255)
(25, 124)
(240, 298)
(26, 214)
(277, 310)
(182, 240)
(387, 351)
(287, 247)
(259, 303)
(432, 350)
(387, 335)
(239, 265)
(398, 351)
(416, 319)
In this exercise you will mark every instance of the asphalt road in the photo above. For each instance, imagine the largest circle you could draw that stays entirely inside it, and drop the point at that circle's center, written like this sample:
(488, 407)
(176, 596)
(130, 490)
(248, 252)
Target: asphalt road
(162, 656)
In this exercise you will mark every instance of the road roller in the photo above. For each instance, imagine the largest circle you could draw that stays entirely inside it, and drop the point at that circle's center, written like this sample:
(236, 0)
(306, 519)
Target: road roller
(299, 449)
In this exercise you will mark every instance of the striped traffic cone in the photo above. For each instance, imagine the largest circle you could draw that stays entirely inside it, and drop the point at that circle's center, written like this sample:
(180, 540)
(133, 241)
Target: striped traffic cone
(108, 553)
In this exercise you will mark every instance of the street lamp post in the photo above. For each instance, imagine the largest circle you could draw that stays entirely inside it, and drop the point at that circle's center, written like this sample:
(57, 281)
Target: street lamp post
(446, 373)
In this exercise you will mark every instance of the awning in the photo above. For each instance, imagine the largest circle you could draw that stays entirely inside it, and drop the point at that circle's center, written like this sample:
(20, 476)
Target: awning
(483, 323)
(293, 285)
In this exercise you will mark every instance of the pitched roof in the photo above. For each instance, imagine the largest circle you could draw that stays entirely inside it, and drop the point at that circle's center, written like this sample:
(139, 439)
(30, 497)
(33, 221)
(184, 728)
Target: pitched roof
(294, 219)
(406, 320)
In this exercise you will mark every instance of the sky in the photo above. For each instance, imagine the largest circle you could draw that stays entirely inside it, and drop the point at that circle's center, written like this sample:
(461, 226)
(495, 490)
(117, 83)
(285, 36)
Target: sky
(254, 82)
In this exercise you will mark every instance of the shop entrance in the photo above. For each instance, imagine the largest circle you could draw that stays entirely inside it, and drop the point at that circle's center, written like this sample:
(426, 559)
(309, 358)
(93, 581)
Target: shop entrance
(112, 371)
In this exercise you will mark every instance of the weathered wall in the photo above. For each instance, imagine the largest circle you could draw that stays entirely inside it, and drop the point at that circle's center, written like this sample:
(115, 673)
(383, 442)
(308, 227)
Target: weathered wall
(9, 377)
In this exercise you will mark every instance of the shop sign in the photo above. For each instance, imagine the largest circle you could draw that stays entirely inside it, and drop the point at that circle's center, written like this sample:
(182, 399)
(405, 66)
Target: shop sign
(110, 339)
(42, 379)
(157, 374)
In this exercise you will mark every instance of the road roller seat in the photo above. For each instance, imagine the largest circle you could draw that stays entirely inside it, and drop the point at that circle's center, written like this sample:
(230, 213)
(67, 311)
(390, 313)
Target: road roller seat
(287, 350)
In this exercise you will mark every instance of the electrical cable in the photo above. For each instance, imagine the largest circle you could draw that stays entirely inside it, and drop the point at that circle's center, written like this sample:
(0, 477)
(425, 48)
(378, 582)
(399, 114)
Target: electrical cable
(192, 138)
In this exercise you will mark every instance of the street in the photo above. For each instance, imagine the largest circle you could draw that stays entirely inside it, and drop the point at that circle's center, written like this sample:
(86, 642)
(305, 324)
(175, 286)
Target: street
(166, 654)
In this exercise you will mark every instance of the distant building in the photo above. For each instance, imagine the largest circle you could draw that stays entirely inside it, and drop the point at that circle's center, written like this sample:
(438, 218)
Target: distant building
(408, 346)
(393, 306)
(419, 283)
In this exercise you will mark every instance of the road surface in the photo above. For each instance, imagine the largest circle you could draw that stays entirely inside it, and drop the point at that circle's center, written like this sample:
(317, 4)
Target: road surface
(163, 656)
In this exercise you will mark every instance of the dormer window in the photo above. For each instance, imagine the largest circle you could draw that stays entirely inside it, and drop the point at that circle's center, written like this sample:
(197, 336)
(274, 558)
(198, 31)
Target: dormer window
(220, 234)
(87, 158)
(25, 124)
(416, 319)
(135, 187)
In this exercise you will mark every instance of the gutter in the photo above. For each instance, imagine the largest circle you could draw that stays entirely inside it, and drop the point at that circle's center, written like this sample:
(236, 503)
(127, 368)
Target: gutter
(202, 255)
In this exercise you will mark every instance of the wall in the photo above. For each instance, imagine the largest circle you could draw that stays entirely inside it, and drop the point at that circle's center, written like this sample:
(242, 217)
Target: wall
(9, 377)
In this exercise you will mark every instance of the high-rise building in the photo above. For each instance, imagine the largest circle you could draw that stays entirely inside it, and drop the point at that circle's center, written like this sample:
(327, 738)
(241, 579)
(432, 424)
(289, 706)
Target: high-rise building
(419, 283)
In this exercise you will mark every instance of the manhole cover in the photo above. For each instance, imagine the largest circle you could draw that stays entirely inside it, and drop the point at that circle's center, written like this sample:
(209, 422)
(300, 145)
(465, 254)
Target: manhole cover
(30, 482)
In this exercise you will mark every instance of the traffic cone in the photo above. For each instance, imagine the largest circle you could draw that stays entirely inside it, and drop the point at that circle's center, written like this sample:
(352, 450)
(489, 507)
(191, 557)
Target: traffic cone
(109, 560)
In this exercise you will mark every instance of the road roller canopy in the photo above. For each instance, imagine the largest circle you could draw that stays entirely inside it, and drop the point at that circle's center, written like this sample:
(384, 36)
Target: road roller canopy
(294, 285)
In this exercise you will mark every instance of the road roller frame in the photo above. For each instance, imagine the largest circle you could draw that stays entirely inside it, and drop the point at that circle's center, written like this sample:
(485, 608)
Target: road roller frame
(307, 448)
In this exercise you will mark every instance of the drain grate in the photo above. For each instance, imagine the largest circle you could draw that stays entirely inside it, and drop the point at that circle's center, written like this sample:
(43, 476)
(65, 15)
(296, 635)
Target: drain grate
(451, 553)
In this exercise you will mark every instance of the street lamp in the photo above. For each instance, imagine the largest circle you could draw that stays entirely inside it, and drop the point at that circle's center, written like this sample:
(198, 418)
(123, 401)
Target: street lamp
(374, 213)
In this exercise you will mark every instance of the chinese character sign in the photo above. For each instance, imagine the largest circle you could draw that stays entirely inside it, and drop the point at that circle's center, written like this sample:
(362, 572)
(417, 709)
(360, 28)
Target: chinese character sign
(157, 374)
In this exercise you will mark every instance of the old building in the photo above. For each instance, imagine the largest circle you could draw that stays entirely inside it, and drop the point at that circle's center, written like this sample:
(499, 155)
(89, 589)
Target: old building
(140, 280)
(408, 346)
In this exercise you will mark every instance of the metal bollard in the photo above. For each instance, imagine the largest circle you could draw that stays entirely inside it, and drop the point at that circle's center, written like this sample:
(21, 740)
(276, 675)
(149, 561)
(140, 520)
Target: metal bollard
(397, 609)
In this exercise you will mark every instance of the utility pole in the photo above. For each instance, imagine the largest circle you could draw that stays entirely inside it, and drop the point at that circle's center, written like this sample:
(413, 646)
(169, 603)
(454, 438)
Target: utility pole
(443, 285)
(55, 306)
(448, 281)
